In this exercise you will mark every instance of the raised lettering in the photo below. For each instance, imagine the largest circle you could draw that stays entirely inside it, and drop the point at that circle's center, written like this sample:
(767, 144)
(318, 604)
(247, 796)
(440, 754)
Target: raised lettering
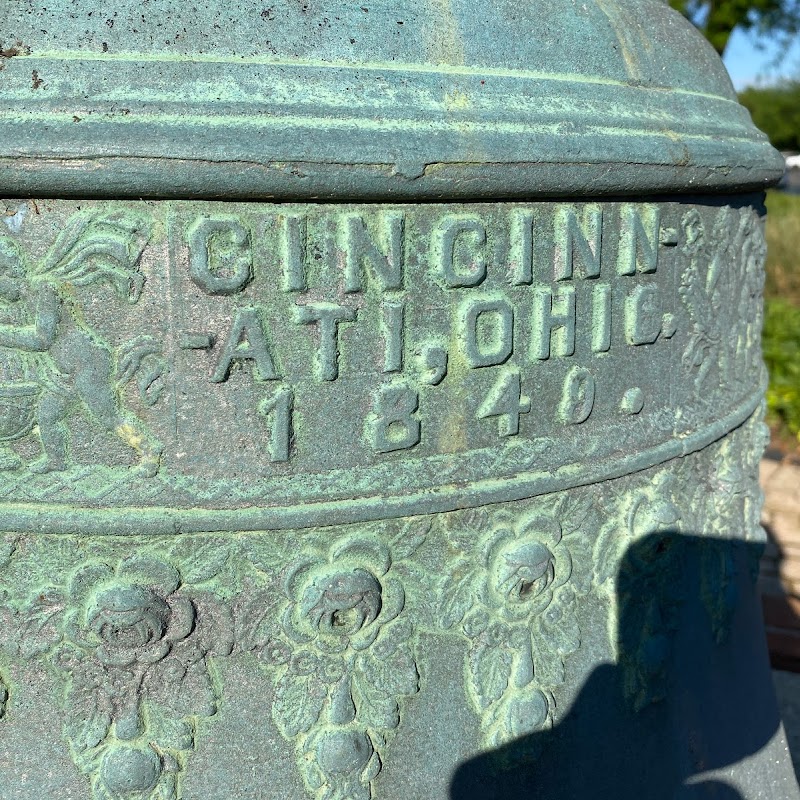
(433, 363)
(277, 412)
(327, 316)
(506, 402)
(488, 331)
(577, 399)
(196, 341)
(362, 253)
(553, 322)
(246, 341)
(220, 255)
(601, 318)
(459, 245)
(392, 323)
(520, 260)
(393, 426)
(642, 315)
(639, 238)
(632, 401)
(294, 234)
(577, 240)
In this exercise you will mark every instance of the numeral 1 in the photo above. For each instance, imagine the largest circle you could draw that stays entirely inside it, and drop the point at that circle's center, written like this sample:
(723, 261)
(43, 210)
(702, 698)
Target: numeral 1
(277, 413)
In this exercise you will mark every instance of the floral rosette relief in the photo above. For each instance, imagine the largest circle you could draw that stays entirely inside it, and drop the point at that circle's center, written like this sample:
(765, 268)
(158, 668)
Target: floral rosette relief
(732, 496)
(727, 503)
(639, 533)
(341, 658)
(513, 595)
(133, 648)
(643, 556)
(657, 534)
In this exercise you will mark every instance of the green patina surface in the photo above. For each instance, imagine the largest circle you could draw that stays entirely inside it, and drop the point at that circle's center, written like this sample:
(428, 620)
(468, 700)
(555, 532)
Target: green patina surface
(403, 443)
(262, 366)
(337, 456)
(411, 100)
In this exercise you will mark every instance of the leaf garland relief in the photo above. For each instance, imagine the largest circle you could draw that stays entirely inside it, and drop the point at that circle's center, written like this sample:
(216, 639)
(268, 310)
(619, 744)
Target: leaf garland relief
(133, 640)
(512, 593)
(342, 656)
(131, 645)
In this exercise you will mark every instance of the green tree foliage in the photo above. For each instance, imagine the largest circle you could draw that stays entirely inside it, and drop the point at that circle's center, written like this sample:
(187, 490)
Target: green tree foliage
(717, 18)
(776, 110)
(782, 355)
(782, 312)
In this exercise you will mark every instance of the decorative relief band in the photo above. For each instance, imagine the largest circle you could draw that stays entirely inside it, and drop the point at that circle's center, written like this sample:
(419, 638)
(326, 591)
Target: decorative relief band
(344, 630)
(183, 367)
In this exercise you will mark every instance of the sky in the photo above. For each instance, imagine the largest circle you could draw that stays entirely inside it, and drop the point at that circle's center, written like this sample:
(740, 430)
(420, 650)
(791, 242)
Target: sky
(751, 62)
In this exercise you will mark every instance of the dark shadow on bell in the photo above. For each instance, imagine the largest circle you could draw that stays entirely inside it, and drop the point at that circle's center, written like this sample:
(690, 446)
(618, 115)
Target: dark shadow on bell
(690, 690)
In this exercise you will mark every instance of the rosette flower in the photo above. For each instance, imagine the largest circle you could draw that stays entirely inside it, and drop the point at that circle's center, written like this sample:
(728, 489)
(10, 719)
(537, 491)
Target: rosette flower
(129, 614)
(645, 512)
(516, 605)
(523, 568)
(634, 554)
(340, 600)
(525, 601)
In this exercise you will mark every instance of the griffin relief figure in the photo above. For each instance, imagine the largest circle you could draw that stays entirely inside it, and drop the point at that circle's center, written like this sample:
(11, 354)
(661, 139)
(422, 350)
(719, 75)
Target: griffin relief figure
(725, 261)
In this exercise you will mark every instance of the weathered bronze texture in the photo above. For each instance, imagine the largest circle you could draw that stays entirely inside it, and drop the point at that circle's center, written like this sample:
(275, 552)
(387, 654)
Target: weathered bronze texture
(380, 405)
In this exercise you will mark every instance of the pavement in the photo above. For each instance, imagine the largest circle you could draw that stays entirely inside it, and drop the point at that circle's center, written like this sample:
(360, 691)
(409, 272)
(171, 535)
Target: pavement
(779, 582)
(787, 690)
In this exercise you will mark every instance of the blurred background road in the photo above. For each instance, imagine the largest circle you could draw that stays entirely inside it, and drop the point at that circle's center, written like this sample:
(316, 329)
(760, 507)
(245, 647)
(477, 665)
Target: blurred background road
(780, 588)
